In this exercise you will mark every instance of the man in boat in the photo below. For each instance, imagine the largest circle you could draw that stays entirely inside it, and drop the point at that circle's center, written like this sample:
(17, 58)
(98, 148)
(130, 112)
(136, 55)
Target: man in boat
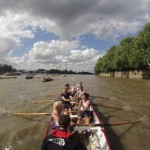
(66, 99)
(61, 139)
(85, 109)
(70, 90)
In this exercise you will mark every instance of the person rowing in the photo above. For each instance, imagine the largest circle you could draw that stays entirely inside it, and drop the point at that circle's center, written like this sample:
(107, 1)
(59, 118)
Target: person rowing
(84, 107)
(71, 91)
(79, 86)
(61, 139)
(57, 111)
(66, 99)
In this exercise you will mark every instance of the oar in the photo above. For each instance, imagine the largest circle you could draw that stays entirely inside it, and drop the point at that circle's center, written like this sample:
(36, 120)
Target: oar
(45, 101)
(126, 108)
(110, 124)
(73, 82)
(29, 113)
(54, 94)
(101, 105)
(100, 97)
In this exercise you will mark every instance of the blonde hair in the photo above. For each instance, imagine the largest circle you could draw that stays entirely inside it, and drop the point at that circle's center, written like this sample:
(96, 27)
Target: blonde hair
(55, 105)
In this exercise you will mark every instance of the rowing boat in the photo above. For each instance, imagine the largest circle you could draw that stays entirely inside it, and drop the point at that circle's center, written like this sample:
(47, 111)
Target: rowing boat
(93, 136)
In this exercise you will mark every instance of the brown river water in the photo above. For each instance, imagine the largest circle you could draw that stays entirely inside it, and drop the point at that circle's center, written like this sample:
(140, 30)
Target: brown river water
(27, 133)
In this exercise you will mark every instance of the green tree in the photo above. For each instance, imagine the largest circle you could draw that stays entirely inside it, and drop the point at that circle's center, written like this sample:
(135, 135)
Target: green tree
(141, 52)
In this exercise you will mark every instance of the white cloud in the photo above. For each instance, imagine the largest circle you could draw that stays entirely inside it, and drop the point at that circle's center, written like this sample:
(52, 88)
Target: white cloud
(57, 54)
(71, 18)
(68, 19)
(63, 53)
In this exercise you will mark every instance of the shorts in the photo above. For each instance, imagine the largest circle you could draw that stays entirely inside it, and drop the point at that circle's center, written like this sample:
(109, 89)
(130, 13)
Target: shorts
(84, 114)
(67, 105)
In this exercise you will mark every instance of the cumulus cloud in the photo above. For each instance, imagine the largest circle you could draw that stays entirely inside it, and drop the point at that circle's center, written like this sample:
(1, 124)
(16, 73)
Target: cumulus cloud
(68, 19)
(64, 53)
(57, 54)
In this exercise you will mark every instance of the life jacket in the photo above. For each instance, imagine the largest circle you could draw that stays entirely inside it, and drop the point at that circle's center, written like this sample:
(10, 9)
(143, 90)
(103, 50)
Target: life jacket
(62, 140)
(60, 133)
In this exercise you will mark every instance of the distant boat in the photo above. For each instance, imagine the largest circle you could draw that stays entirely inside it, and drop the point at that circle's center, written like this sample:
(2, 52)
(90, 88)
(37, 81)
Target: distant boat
(29, 77)
(8, 77)
(12, 74)
(47, 79)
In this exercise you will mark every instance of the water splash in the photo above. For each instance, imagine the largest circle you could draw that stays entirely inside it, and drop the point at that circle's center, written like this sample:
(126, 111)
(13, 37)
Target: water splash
(144, 118)
(23, 98)
(4, 111)
(113, 98)
(19, 141)
(126, 108)
(7, 146)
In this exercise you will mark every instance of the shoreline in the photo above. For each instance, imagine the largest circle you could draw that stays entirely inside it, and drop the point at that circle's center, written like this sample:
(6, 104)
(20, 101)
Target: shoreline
(142, 74)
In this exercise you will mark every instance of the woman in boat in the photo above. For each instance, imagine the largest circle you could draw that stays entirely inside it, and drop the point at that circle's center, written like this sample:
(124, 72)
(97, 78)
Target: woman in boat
(61, 139)
(57, 111)
(84, 107)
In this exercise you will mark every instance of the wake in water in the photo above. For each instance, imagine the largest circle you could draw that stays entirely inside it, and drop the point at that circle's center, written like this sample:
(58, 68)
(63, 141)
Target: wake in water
(144, 118)
(126, 108)
(6, 146)
(4, 111)
(23, 98)
(113, 98)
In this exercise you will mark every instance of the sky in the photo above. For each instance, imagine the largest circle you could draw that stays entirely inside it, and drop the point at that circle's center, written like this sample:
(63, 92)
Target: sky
(66, 34)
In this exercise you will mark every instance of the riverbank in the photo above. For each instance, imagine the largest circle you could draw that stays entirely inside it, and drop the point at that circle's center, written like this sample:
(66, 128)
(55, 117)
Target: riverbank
(142, 74)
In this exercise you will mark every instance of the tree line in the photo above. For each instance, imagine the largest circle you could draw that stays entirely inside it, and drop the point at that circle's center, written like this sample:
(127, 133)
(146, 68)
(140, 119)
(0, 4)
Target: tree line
(133, 53)
(6, 68)
(56, 71)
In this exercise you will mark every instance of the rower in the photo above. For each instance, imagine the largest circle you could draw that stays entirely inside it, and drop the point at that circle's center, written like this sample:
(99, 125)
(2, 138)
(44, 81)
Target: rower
(65, 99)
(57, 111)
(84, 107)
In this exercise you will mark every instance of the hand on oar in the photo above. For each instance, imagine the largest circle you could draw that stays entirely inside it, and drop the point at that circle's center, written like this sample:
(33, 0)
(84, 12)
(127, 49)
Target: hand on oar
(30, 113)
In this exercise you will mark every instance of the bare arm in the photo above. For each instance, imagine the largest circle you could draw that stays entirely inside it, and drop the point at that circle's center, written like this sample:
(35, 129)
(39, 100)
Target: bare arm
(63, 98)
(80, 104)
(55, 116)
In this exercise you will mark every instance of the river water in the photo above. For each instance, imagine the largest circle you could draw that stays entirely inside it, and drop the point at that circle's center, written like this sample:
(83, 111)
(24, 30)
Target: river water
(27, 133)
